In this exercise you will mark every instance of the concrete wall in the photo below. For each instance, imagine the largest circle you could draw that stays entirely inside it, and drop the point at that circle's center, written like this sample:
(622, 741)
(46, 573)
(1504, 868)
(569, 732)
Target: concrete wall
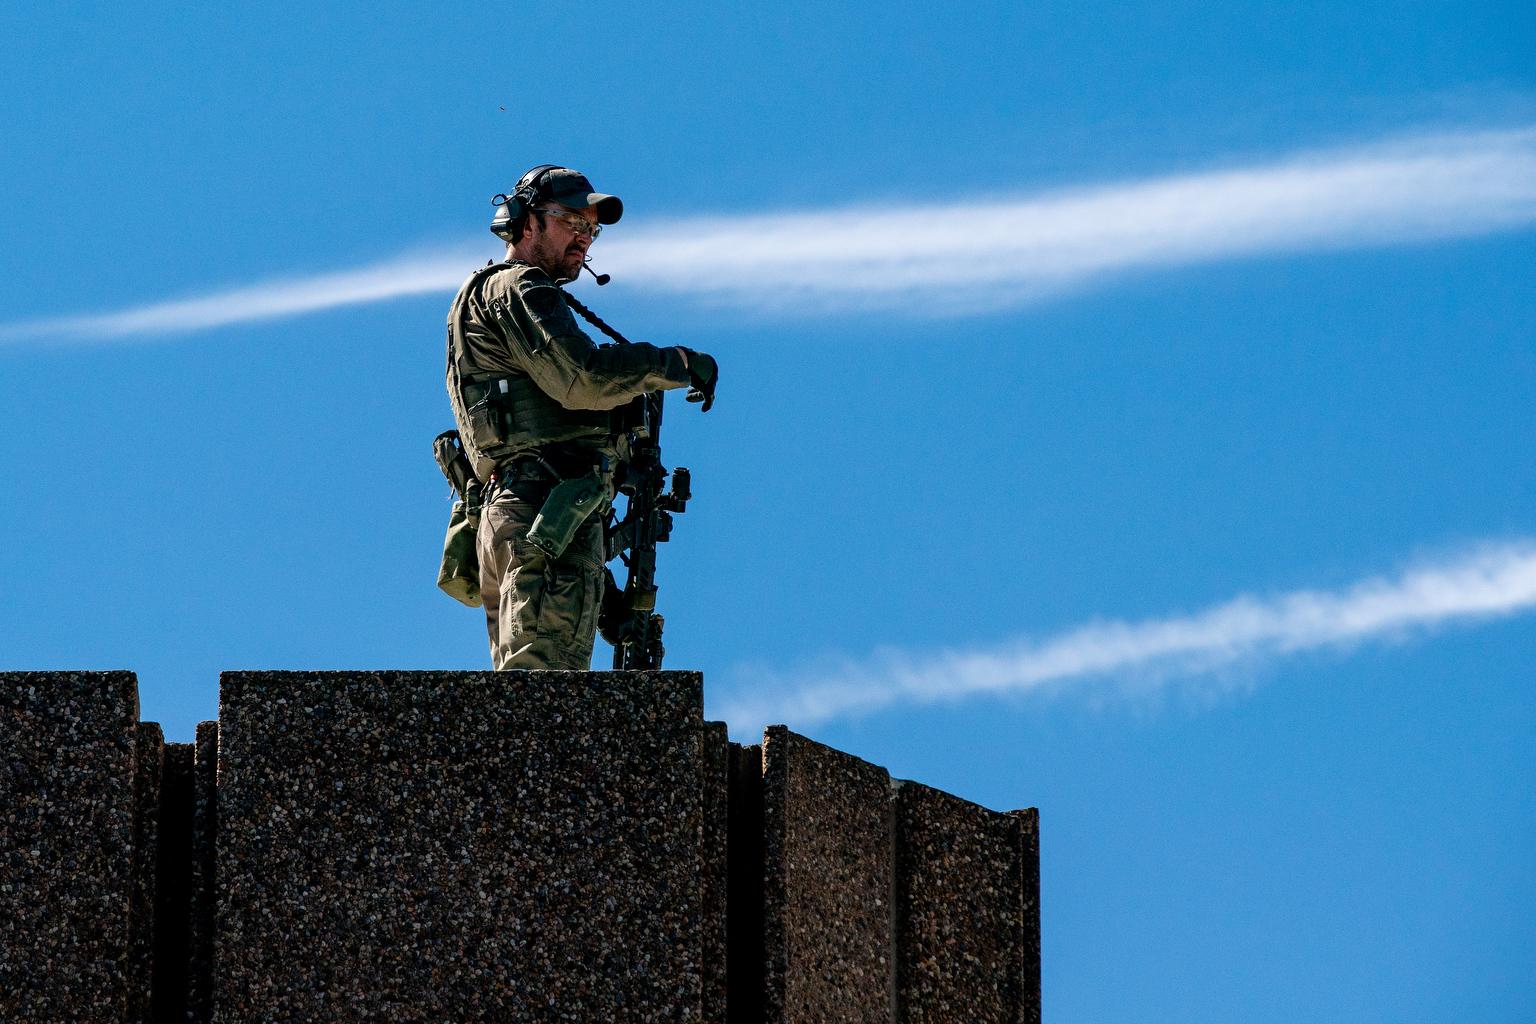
(967, 910)
(477, 846)
(148, 768)
(202, 894)
(827, 884)
(891, 901)
(69, 743)
(452, 846)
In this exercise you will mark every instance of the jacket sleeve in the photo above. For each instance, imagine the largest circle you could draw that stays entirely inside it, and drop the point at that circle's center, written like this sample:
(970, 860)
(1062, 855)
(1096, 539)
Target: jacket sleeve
(542, 335)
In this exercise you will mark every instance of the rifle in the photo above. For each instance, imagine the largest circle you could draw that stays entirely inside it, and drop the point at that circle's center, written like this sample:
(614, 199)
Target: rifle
(628, 619)
(633, 623)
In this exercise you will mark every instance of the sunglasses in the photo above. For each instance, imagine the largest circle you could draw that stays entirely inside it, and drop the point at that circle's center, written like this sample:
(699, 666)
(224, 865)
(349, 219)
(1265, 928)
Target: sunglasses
(579, 225)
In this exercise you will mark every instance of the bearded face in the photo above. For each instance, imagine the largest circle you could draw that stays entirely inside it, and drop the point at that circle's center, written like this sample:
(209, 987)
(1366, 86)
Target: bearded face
(555, 248)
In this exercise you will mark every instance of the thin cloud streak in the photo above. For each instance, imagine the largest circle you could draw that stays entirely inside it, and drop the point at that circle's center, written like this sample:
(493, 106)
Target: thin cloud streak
(1013, 251)
(978, 253)
(268, 300)
(1492, 581)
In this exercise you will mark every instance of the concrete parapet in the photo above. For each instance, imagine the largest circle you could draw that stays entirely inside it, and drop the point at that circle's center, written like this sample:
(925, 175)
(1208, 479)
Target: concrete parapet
(888, 901)
(827, 883)
(202, 901)
(1029, 832)
(963, 931)
(67, 838)
(460, 846)
(435, 846)
(148, 767)
(713, 882)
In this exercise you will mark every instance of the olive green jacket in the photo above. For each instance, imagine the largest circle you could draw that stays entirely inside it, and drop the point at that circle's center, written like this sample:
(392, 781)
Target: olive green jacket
(522, 374)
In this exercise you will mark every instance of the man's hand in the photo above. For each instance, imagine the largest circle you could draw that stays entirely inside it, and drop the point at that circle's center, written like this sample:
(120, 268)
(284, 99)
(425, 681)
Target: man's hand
(704, 374)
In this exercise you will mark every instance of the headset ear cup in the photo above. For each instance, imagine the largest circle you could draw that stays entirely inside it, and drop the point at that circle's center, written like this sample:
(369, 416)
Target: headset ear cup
(519, 204)
(517, 211)
(512, 210)
(504, 223)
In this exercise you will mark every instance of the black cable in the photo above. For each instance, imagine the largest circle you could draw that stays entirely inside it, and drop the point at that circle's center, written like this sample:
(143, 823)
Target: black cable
(593, 319)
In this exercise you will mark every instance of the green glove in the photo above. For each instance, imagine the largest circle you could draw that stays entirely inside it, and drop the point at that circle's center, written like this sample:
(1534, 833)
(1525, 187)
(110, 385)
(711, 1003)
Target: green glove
(704, 374)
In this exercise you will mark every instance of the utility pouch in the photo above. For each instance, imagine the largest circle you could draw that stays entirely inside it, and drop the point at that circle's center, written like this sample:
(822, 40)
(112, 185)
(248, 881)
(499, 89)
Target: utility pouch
(567, 507)
(486, 412)
(448, 450)
(459, 574)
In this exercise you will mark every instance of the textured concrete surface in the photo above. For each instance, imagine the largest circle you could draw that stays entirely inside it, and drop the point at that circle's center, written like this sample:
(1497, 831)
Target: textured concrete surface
(149, 759)
(67, 746)
(460, 846)
(203, 898)
(827, 883)
(716, 753)
(474, 846)
(961, 910)
(1029, 831)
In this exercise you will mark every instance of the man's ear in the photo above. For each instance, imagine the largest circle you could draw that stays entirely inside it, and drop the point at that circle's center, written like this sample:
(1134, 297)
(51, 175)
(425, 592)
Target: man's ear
(533, 224)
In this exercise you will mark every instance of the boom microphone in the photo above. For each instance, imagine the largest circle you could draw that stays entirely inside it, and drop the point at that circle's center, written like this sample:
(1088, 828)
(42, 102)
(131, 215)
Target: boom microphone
(586, 265)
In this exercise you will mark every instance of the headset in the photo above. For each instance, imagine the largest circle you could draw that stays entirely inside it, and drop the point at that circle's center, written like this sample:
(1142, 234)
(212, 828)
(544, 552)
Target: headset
(512, 210)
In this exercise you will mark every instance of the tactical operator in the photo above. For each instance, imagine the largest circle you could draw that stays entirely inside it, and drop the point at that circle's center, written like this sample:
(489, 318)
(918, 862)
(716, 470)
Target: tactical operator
(537, 403)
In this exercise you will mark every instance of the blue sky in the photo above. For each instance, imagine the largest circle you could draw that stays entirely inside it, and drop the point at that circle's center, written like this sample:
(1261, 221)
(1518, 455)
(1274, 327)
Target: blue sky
(1125, 411)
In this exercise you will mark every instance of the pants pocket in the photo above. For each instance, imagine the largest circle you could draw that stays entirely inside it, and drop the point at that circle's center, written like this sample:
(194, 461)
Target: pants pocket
(567, 608)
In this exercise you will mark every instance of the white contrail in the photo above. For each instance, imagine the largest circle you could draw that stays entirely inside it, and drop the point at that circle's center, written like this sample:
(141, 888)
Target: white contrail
(267, 300)
(978, 253)
(1494, 580)
(1000, 251)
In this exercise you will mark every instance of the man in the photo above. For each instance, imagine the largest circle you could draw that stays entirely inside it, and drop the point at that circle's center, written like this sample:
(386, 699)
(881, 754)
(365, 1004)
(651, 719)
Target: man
(538, 403)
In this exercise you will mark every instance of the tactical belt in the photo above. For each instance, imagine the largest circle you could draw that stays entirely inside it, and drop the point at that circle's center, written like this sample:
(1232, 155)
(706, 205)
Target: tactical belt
(539, 471)
(526, 469)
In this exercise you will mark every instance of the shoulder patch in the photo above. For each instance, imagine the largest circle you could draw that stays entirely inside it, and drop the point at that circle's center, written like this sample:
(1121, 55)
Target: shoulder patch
(543, 300)
(546, 305)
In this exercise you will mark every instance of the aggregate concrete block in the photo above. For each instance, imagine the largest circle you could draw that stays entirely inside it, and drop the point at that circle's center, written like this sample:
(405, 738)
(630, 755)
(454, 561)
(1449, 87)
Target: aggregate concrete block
(67, 832)
(716, 752)
(1029, 832)
(436, 846)
(149, 757)
(827, 884)
(203, 897)
(962, 920)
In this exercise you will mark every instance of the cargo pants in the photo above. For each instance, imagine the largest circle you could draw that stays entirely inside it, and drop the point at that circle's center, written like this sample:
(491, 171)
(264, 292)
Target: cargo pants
(539, 612)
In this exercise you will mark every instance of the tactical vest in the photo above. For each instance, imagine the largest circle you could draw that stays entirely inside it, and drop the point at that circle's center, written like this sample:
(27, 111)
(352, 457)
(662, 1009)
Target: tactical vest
(502, 414)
